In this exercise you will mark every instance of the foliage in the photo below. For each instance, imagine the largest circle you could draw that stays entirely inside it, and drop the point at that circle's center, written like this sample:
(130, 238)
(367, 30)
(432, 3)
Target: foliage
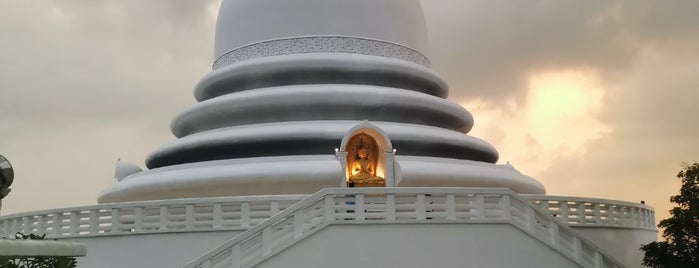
(38, 262)
(681, 246)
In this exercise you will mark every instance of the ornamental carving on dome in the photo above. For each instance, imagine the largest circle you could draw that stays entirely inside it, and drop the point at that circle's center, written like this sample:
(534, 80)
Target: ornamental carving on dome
(319, 44)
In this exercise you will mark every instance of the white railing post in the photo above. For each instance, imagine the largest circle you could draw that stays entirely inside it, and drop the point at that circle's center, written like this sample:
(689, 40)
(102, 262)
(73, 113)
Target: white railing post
(57, 224)
(391, 207)
(41, 224)
(26, 225)
(480, 207)
(420, 207)
(563, 208)
(329, 207)
(451, 207)
(554, 234)
(581, 213)
(116, 221)
(359, 207)
(163, 218)
(74, 223)
(245, 215)
(236, 256)
(266, 241)
(138, 219)
(598, 214)
(611, 215)
(531, 219)
(299, 221)
(189, 216)
(94, 224)
(218, 215)
(506, 207)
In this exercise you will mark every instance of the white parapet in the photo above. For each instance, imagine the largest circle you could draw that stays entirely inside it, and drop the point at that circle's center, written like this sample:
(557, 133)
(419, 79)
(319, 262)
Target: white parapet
(16, 248)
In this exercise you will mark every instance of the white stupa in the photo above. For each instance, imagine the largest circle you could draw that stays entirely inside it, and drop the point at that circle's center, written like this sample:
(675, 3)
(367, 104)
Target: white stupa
(323, 138)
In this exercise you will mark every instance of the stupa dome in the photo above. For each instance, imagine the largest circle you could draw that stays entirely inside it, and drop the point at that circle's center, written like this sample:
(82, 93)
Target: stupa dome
(247, 27)
(298, 89)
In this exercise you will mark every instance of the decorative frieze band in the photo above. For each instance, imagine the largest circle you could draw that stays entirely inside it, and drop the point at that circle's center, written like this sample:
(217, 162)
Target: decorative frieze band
(316, 44)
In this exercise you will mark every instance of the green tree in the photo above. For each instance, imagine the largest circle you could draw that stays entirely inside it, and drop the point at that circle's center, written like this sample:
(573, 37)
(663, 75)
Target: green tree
(681, 246)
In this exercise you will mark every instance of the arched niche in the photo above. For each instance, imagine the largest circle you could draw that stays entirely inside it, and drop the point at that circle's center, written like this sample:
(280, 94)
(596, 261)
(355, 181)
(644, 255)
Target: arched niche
(379, 156)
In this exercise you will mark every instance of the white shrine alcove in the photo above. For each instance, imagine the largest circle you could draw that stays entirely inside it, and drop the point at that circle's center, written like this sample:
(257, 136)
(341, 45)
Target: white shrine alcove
(385, 165)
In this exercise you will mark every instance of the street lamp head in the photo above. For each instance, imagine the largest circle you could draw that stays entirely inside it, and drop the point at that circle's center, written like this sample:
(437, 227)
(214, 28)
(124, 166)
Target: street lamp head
(6, 173)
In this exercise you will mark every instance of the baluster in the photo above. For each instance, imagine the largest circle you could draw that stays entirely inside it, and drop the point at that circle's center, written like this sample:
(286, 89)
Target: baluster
(5, 228)
(329, 207)
(359, 207)
(507, 207)
(245, 215)
(163, 218)
(299, 221)
(116, 221)
(611, 215)
(563, 207)
(598, 214)
(57, 224)
(480, 207)
(451, 207)
(74, 223)
(218, 215)
(420, 207)
(94, 222)
(554, 234)
(236, 256)
(189, 216)
(26, 226)
(266, 241)
(545, 205)
(391, 207)
(581, 213)
(138, 219)
(531, 219)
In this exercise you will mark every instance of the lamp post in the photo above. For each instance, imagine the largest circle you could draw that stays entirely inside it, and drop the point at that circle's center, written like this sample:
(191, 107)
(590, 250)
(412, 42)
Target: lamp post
(6, 176)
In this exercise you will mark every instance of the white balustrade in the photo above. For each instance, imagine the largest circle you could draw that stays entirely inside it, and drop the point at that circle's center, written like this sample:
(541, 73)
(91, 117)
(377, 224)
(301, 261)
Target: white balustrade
(405, 205)
(180, 215)
(592, 212)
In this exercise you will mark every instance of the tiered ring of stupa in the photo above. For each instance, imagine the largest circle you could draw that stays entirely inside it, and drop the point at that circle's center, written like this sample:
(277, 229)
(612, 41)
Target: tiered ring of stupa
(287, 86)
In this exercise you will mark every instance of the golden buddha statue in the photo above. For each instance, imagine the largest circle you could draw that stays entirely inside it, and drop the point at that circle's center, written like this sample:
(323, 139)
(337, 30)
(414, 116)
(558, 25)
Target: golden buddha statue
(363, 170)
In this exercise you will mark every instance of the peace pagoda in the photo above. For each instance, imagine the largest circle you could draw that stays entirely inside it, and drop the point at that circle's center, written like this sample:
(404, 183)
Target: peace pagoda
(322, 138)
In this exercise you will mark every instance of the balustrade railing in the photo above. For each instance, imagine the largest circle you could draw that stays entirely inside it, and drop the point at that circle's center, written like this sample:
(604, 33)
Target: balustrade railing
(402, 205)
(179, 215)
(591, 212)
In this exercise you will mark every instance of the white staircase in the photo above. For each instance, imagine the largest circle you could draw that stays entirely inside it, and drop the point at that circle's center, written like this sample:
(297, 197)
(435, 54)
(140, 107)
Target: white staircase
(403, 206)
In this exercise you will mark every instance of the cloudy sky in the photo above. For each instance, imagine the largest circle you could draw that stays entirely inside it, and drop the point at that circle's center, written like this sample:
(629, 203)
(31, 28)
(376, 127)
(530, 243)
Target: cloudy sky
(593, 98)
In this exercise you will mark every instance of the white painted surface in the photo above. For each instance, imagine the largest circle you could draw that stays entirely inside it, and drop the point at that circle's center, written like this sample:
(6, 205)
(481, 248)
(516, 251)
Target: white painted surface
(305, 174)
(43, 248)
(622, 243)
(419, 246)
(148, 250)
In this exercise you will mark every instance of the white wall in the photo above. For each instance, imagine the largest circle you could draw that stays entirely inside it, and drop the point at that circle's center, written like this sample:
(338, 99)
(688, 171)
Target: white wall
(622, 243)
(419, 245)
(151, 250)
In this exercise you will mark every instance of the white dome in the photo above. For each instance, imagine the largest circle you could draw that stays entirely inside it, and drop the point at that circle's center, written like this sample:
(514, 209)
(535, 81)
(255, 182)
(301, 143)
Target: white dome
(244, 22)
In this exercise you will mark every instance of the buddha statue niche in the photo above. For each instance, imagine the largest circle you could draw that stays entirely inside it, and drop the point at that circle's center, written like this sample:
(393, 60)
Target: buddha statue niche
(362, 167)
